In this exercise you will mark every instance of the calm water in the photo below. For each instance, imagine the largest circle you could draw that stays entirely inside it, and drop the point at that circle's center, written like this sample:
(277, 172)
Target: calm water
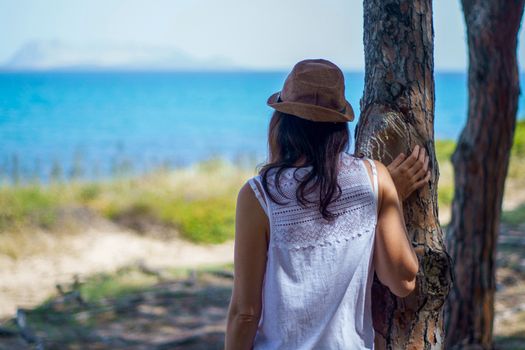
(93, 123)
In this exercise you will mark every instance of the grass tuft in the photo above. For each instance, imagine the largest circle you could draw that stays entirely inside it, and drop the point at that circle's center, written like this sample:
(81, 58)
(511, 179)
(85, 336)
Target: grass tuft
(27, 206)
(514, 217)
(125, 281)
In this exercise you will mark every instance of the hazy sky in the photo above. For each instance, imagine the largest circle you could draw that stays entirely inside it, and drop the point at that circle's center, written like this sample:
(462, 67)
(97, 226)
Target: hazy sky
(269, 34)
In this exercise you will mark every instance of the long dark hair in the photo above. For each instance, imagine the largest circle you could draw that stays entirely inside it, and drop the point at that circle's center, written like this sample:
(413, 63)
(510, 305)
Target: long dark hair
(317, 144)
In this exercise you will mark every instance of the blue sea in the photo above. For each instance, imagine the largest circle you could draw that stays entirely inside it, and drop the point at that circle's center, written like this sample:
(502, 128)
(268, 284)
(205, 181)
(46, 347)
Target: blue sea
(93, 124)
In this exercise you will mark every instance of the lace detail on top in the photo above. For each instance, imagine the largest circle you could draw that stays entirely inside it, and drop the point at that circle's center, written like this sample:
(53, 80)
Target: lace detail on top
(295, 226)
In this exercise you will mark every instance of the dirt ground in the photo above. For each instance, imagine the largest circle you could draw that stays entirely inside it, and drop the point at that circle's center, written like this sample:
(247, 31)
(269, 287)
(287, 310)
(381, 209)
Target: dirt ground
(183, 312)
(187, 313)
(105, 247)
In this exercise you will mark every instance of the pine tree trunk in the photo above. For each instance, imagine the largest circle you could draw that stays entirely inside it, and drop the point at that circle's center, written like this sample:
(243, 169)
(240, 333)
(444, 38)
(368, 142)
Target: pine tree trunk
(397, 114)
(480, 164)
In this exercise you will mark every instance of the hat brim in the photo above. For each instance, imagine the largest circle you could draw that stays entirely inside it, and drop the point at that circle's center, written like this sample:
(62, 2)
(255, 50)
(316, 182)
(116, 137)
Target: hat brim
(310, 111)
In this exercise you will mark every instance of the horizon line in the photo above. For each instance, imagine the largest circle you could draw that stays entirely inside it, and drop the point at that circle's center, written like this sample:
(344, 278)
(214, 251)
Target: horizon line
(4, 70)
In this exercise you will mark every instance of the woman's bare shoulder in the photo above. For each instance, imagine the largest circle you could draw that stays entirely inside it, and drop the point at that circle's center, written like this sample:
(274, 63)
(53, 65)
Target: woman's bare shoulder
(247, 201)
(384, 178)
(383, 175)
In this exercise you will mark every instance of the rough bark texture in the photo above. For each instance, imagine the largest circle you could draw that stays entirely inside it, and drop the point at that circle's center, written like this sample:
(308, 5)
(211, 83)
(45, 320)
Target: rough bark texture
(480, 162)
(398, 113)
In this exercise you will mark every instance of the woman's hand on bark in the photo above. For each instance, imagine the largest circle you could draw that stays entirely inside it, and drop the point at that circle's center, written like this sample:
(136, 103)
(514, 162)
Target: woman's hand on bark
(410, 173)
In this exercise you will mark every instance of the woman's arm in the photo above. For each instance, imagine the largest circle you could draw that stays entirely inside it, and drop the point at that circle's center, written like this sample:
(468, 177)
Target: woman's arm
(395, 261)
(251, 227)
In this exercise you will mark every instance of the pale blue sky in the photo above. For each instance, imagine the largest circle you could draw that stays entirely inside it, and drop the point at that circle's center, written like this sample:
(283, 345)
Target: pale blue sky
(269, 34)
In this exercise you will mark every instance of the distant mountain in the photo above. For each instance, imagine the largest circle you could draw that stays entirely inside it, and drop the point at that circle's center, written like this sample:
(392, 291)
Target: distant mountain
(56, 55)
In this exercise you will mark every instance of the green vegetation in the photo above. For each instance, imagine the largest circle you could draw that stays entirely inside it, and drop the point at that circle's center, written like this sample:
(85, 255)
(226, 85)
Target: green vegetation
(197, 202)
(21, 206)
(445, 149)
(131, 279)
(518, 148)
(123, 282)
(514, 217)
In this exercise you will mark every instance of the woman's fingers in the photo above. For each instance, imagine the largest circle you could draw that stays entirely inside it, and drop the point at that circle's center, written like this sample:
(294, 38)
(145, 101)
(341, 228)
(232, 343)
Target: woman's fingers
(419, 174)
(410, 172)
(412, 158)
(422, 155)
(415, 162)
(397, 162)
(422, 171)
(427, 161)
(421, 182)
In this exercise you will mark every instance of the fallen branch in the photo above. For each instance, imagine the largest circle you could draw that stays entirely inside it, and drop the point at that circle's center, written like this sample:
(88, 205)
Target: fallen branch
(25, 332)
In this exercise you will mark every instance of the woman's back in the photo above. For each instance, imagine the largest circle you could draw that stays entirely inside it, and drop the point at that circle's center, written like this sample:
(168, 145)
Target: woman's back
(302, 281)
(316, 290)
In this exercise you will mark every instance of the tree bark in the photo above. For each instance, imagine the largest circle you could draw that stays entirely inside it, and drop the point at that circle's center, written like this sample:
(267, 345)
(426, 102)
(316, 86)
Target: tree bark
(480, 165)
(398, 113)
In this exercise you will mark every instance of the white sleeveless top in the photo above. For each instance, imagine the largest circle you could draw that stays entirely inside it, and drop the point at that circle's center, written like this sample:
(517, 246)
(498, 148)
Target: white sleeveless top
(317, 285)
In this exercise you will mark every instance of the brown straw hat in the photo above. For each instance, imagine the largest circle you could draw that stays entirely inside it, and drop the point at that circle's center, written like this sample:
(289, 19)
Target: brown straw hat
(314, 90)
